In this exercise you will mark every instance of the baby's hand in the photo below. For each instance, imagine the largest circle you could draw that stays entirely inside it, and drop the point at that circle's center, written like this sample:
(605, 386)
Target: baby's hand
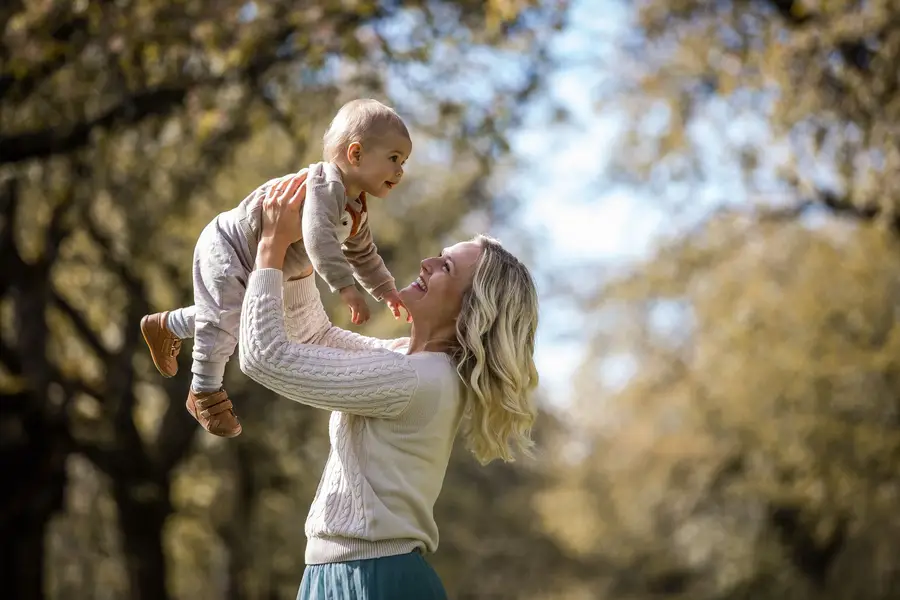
(392, 299)
(359, 310)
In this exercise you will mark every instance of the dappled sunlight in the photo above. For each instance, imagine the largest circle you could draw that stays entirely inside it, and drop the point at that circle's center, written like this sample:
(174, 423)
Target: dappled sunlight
(706, 193)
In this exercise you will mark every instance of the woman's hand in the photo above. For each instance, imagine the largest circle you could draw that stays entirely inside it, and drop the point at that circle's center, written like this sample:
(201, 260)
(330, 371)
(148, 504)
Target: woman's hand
(280, 220)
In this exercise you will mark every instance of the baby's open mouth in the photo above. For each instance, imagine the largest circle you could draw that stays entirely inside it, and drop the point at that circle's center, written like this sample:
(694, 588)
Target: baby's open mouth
(389, 185)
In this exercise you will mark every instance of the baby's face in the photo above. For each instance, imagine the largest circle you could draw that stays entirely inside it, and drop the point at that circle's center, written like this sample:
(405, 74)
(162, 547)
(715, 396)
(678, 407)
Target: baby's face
(380, 167)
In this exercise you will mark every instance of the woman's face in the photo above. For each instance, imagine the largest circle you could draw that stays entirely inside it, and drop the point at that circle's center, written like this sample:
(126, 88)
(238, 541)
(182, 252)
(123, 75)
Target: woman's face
(435, 297)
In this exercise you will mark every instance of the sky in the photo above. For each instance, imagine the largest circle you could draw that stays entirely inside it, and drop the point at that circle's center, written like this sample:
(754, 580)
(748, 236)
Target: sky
(591, 226)
(578, 216)
(587, 225)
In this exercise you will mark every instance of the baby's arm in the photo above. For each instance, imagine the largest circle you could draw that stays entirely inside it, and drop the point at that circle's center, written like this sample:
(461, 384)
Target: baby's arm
(321, 217)
(362, 254)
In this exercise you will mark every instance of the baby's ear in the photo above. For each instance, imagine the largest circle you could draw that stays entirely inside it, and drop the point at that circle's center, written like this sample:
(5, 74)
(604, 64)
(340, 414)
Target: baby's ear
(354, 153)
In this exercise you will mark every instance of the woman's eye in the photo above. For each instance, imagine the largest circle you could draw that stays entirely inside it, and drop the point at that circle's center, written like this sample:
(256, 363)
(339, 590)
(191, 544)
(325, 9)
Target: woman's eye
(447, 267)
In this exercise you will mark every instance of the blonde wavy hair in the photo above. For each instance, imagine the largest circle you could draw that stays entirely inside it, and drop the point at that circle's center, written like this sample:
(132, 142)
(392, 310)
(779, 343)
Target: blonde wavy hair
(496, 330)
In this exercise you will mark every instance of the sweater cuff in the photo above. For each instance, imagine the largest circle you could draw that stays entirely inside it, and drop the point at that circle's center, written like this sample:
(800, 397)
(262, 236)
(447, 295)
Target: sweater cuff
(339, 284)
(266, 282)
(300, 292)
(379, 292)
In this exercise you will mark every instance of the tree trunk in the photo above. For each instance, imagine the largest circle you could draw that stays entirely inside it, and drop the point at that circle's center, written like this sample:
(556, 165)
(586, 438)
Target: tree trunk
(34, 466)
(236, 531)
(143, 510)
(23, 559)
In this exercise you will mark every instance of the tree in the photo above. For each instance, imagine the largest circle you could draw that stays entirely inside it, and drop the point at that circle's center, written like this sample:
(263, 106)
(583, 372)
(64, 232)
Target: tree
(128, 125)
(802, 97)
(747, 443)
(752, 450)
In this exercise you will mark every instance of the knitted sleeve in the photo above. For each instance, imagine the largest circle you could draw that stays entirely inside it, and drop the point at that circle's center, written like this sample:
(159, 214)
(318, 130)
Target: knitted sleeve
(370, 381)
(307, 322)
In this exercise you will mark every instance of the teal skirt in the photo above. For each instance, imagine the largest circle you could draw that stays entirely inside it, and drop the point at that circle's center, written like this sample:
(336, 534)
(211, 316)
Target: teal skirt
(401, 577)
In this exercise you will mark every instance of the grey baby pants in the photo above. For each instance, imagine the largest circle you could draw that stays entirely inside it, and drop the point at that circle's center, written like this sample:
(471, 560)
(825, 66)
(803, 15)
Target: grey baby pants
(222, 265)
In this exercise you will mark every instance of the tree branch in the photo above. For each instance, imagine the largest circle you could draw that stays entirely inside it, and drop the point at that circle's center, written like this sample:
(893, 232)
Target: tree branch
(159, 101)
(134, 285)
(57, 230)
(286, 122)
(73, 386)
(833, 203)
(102, 458)
(855, 52)
(81, 325)
(789, 10)
(9, 358)
(812, 558)
(176, 432)
(56, 140)
(9, 206)
(20, 87)
(844, 206)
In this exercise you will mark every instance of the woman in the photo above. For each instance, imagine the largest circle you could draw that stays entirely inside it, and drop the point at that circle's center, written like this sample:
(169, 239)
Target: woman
(397, 404)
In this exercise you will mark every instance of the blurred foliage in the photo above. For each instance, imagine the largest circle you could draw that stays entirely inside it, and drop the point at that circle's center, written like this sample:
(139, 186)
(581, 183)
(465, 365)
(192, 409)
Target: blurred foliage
(126, 126)
(802, 96)
(748, 443)
(735, 429)
(738, 403)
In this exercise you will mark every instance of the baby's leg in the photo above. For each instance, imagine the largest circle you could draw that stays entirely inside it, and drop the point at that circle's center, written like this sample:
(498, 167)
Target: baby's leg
(163, 333)
(220, 280)
(181, 322)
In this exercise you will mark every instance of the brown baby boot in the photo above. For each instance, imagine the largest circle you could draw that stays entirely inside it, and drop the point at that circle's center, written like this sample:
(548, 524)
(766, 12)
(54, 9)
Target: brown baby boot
(164, 347)
(214, 411)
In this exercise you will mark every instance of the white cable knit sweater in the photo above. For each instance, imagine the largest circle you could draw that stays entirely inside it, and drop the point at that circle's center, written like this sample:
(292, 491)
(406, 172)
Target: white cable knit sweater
(395, 417)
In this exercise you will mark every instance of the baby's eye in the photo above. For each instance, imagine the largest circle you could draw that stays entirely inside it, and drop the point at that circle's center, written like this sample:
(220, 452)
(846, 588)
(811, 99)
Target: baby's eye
(394, 158)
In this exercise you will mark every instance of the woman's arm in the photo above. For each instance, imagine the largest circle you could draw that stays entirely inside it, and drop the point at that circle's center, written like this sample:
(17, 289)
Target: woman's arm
(282, 227)
(370, 381)
(307, 322)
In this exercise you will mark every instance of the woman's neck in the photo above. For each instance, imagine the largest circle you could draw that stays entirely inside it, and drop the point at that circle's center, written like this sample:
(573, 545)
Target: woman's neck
(424, 339)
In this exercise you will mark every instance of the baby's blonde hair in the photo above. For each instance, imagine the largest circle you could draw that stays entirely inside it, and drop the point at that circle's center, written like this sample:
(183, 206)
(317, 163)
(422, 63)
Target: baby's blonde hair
(360, 121)
(496, 330)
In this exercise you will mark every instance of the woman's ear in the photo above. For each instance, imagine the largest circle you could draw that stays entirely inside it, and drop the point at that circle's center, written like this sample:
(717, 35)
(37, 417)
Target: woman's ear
(354, 153)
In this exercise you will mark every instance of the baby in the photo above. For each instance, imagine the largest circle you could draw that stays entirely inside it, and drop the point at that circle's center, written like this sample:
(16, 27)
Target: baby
(366, 146)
